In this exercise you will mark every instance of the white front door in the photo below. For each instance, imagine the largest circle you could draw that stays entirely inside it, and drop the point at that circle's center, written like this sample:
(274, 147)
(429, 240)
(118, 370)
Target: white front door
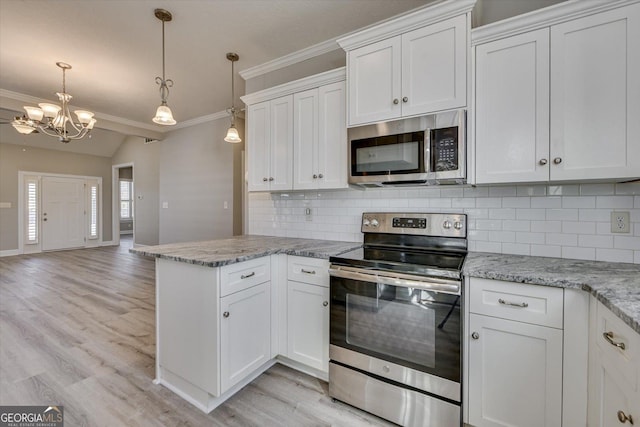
(63, 206)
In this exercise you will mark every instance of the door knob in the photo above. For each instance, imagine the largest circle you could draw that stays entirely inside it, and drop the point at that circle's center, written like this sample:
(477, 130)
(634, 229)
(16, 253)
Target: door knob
(225, 314)
(475, 335)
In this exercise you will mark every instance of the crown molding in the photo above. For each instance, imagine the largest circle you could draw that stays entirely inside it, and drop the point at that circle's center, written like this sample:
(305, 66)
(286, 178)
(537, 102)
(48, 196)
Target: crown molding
(290, 59)
(306, 83)
(418, 18)
(199, 120)
(543, 18)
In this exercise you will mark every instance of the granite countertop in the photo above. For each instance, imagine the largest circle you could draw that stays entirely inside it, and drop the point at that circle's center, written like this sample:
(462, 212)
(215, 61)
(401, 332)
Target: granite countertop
(216, 253)
(616, 285)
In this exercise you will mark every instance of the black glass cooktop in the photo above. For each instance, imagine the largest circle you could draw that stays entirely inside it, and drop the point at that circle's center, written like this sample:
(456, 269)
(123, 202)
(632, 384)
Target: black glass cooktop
(417, 262)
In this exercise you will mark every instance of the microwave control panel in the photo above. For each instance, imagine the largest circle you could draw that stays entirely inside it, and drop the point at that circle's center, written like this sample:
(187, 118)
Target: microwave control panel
(444, 149)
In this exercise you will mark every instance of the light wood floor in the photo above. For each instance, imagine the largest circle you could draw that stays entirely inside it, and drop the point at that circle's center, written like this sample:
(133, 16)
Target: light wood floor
(77, 329)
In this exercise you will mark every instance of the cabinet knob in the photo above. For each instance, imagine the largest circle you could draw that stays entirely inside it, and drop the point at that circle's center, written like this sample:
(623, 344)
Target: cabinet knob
(405, 99)
(44, 219)
(623, 418)
(475, 335)
(225, 314)
(265, 179)
(396, 101)
(543, 162)
(325, 303)
(557, 160)
(315, 176)
(271, 179)
(320, 176)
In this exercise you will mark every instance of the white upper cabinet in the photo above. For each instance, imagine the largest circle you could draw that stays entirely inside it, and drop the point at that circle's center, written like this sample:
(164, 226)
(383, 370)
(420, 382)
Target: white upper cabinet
(561, 102)
(270, 144)
(512, 109)
(595, 96)
(320, 138)
(413, 65)
(298, 141)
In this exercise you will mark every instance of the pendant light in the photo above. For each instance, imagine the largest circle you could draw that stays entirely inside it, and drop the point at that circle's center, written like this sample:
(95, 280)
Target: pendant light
(232, 133)
(163, 114)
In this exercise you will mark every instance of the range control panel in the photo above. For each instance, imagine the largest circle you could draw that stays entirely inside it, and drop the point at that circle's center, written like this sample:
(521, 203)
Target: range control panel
(422, 224)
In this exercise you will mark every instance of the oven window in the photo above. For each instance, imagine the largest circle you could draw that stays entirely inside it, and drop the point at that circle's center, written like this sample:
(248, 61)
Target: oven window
(403, 330)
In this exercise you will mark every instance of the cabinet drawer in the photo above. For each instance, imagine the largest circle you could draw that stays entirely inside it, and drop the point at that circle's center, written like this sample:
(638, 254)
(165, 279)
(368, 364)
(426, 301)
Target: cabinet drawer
(308, 270)
(538, 305)
(243, 275)
(620, 349)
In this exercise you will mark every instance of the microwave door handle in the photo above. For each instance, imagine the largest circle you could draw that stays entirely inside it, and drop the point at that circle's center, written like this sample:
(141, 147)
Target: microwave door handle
(431, 174)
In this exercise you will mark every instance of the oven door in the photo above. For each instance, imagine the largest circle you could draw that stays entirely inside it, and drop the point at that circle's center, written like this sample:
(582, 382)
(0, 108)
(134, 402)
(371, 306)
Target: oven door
(409, 323)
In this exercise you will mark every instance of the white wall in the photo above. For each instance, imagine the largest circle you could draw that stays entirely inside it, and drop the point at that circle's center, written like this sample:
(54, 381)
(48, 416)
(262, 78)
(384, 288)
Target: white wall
(567, 221)
(196, 179)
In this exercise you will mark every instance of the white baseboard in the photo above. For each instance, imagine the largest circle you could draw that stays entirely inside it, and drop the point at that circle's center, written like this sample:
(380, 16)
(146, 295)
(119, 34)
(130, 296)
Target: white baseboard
(107, 243)
(139, 245)
(10, 252)
(126, 232)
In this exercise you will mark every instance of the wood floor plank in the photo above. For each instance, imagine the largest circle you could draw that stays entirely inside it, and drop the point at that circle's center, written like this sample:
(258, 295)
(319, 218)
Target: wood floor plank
(77, 328)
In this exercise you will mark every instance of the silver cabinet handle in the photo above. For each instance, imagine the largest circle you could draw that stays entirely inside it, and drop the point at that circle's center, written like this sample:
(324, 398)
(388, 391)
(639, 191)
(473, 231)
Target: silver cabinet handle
(405, 99)
(315, 176)
(265, 179)
(609, 337)
(246, 276)
(557, 160)
(514, 304)
(475, 335)
(395, 101)
(225, 314)
(320, 176)
(543, 162)
(325, 303)
(623, 418)
(308, 271)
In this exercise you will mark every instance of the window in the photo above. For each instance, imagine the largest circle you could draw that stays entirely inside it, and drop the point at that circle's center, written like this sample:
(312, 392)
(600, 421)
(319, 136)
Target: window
(32, 229)
(93, 211)
(126, 199)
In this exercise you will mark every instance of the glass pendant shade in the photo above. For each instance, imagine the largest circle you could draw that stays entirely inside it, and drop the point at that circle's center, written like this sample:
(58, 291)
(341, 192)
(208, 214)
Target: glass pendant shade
(84, 116)
(164, 116)
(50, 110)
(22, 128)
(34, 113)
(232, 135)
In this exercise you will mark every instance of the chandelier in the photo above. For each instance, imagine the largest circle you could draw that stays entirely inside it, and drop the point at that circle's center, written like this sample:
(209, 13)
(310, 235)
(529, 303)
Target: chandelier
(164, 116)
(55, 120)
(232, 133)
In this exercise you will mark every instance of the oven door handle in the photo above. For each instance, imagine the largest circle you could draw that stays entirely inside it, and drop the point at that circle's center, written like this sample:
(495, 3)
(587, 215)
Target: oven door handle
(435, 285)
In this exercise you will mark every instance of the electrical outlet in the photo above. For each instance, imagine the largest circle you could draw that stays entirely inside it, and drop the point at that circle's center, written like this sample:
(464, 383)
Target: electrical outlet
(307, 213)
(620, 222)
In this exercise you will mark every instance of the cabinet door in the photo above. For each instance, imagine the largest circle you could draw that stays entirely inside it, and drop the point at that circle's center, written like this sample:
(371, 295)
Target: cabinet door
(609, 394)
(308, 324)
(515, 374)
(332, 148)
(434, 67)
(258, 145)
(595, 96)
(512, 109)
(281, 154)
(305, 139)
(245, 333)
(374, 82)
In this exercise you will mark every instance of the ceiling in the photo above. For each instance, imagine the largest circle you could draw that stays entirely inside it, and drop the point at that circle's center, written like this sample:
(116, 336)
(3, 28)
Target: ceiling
(115, 48)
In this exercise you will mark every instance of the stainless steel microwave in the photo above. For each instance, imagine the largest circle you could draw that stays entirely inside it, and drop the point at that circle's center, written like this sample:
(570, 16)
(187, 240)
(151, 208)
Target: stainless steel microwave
(423, 150)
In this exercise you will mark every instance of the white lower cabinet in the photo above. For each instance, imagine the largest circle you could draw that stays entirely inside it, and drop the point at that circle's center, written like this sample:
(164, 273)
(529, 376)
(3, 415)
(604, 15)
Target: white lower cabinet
(308, 324)
(245, 333)
(308, 312)
(614, 370)
(515, 375)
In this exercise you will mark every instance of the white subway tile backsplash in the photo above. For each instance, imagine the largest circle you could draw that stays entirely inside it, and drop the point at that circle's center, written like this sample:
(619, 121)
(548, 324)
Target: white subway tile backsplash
(571, 221)
(614, 255)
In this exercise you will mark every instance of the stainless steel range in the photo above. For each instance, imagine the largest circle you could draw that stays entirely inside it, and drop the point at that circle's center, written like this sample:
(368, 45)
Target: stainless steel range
(395, 325)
